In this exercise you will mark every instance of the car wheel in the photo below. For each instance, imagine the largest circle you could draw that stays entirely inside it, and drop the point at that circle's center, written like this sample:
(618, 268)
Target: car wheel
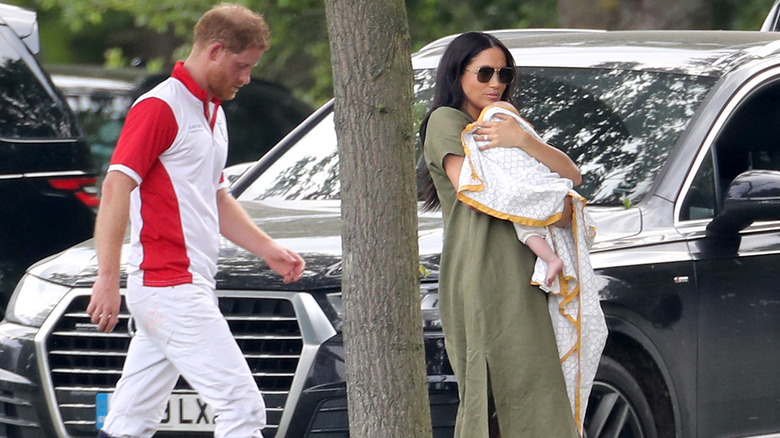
(617, 408)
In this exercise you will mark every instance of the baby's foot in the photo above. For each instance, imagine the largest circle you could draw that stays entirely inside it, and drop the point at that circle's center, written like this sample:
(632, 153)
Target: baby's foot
(554, 267)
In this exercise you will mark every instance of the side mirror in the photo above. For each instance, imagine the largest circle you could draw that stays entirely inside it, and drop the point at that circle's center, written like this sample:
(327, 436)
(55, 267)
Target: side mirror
(752, 196)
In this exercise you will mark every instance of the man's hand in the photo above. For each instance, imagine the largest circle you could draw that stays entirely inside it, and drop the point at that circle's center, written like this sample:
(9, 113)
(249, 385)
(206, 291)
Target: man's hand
(110, 227)
(236, 225)
(104, 305)
(285, 262)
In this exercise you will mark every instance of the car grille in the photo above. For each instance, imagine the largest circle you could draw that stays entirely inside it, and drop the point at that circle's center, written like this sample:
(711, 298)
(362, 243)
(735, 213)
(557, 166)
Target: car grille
(84, 362)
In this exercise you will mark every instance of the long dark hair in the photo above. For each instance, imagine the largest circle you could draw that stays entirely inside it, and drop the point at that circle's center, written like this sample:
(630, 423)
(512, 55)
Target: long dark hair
(459, 53)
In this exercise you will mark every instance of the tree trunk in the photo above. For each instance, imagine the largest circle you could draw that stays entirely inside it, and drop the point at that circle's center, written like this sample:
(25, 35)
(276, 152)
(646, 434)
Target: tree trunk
(635, 14)
(386, 381)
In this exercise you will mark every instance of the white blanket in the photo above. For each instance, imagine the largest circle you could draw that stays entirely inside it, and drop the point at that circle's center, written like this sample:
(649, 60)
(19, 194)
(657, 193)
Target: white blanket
(510, 184)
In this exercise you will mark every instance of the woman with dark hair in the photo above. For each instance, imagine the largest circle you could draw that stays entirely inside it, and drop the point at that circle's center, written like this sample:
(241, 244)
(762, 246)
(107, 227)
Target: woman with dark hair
(498, 332)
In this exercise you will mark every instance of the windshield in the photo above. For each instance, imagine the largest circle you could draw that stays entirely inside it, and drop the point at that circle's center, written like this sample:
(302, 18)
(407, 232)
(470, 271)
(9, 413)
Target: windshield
(617, 125)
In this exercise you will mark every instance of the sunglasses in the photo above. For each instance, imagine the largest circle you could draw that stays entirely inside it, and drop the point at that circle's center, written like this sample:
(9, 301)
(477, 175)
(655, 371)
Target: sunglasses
(506, 75)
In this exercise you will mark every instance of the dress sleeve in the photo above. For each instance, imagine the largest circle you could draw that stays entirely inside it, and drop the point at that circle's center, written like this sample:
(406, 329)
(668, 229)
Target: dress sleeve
(443, 135)
(149, 130)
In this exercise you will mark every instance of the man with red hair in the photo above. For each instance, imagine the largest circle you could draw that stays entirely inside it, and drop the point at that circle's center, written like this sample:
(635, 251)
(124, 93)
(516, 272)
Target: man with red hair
(166, 178)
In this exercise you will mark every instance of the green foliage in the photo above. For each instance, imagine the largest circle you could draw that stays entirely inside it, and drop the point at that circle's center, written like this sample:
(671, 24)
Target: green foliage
(155, 65)
(299, 56)
(115, 58)
(432, 19)
(740, 14)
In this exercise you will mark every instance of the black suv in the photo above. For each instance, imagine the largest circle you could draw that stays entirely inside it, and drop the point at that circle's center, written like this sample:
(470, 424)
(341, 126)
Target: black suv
(676, 134)
(47, 186)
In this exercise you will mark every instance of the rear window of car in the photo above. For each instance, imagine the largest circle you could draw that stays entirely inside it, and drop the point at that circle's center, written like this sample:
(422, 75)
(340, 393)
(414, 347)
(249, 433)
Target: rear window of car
(27, 108)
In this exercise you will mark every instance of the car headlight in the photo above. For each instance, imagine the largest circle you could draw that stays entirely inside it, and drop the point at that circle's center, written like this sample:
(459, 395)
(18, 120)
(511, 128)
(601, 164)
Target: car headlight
(335, 311)
(429, 304)
(33, 300)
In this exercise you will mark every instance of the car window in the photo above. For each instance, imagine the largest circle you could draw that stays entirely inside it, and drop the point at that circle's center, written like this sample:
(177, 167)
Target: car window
(101, 110)
(27, 110)
(748, 141)
(700, 201)
(617, 125)
(310, 169)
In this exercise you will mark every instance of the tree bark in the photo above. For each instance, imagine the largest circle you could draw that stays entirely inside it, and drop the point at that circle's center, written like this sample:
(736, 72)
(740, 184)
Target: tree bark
(383, 342)
(635, 14)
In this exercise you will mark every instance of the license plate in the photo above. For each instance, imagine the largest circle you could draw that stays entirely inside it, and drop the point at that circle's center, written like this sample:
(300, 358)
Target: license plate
(184, 413)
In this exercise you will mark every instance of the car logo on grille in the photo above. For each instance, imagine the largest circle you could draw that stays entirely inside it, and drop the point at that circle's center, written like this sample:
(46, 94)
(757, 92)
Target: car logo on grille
(85, 327)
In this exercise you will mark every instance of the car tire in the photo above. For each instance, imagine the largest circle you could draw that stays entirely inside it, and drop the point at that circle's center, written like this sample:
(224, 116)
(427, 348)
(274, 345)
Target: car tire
(617, 407)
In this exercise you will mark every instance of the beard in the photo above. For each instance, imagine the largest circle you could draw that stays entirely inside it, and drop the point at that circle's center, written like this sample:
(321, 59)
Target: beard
(220, 84)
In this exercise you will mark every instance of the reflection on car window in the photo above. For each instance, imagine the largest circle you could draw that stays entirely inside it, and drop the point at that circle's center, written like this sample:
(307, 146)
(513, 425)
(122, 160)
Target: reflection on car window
(310, 169)
(700, 200)
(101, 114)
(424, 82)
(617, 125)
(27, 110)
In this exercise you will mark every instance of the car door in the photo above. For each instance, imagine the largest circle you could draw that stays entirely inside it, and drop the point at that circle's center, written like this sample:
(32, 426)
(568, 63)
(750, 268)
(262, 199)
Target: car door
(737, 274)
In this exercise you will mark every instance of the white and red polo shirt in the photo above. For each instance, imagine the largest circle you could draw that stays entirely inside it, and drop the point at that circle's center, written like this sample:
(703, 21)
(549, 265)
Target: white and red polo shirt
(174, 145)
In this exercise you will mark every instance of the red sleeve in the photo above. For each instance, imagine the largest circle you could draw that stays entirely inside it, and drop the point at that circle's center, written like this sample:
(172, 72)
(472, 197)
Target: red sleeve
(149, 130)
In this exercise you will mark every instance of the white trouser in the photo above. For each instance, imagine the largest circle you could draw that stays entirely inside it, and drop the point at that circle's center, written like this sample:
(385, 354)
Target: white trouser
(180, 330)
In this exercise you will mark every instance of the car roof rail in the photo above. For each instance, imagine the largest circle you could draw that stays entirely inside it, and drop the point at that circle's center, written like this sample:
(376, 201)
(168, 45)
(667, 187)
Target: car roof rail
(24, 23)
(444, 41)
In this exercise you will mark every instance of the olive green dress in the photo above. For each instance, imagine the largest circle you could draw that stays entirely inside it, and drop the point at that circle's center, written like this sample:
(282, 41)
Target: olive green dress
(497, 328)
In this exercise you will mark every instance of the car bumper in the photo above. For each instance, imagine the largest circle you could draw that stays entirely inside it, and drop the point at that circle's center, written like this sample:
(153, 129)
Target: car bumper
(317, 409)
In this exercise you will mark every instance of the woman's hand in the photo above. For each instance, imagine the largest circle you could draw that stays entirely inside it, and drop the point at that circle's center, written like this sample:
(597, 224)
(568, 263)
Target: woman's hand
(568, 213)
(508, 133)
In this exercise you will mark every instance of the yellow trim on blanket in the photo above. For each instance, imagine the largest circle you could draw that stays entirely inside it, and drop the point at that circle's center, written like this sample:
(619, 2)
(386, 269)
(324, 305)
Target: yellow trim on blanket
(475, 188)
(506, 216)
(578, 324)
(568, 297)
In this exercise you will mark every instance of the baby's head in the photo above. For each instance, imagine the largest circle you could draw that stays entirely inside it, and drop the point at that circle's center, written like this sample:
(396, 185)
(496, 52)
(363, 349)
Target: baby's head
(505, 105)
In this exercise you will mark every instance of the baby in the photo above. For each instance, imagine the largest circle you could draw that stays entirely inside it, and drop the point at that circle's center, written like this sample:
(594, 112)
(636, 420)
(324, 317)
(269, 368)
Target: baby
(510, 184)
